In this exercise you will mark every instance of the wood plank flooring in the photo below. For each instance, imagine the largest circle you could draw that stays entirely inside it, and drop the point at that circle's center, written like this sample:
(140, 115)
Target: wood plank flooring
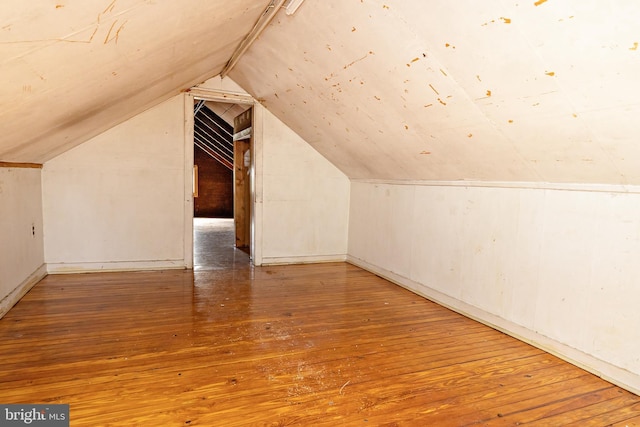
(307, 345)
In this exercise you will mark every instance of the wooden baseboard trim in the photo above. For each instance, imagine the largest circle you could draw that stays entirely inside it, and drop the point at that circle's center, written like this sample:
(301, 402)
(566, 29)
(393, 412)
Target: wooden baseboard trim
(14, 296)
(95, 267)
(303, 259)
(20, 165)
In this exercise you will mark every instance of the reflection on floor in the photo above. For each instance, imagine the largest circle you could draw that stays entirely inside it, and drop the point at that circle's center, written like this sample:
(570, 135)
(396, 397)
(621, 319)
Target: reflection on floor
(213, 247)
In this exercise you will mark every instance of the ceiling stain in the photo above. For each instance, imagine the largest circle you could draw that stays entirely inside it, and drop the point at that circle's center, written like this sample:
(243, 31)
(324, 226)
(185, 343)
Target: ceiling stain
(67, 39)
(358, 60)
(110, 7)
(412, 61)
(110, 38)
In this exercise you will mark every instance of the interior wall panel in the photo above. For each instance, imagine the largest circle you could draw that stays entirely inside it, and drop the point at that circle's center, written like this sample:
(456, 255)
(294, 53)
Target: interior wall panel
(560, 265)
(21, 233)
(117, 201)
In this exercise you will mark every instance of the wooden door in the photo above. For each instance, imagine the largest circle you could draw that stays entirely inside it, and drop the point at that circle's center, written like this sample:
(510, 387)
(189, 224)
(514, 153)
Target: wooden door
(242, 178)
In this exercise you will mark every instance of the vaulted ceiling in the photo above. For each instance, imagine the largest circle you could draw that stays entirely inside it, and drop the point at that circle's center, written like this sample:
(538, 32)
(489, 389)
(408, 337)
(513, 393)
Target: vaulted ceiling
(545, 90)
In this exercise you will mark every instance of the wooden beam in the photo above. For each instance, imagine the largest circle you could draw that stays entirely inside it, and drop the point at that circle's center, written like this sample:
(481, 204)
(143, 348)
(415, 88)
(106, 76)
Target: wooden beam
(220, 96)
(20, 165)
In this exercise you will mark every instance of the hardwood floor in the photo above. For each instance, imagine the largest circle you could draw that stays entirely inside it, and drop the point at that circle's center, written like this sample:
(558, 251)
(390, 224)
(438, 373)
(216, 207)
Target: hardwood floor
(306, 345)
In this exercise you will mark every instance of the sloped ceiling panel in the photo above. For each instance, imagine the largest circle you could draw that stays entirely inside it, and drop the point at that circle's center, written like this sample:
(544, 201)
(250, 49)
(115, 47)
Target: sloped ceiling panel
(71, 69)
(545, 90)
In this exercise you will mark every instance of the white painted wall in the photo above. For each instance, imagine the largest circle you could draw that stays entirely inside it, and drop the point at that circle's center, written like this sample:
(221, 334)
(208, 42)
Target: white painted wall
(558, 268)
(118, 200)
(21, 247)
(303, 200)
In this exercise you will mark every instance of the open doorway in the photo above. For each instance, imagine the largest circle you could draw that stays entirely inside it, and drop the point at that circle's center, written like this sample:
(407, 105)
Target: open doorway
(222, 165)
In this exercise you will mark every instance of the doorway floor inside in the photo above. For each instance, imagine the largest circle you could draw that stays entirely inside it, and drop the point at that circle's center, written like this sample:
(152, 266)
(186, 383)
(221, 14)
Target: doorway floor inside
(213, 247)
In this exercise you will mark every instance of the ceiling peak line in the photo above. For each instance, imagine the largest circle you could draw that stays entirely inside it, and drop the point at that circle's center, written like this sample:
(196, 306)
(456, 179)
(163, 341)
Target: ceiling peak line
(264, 20)
(292, 5)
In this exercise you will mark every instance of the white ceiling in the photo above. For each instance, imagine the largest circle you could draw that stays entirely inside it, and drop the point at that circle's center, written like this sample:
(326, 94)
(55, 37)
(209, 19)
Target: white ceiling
(399, 89)
(452, 90)
(227, 111)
